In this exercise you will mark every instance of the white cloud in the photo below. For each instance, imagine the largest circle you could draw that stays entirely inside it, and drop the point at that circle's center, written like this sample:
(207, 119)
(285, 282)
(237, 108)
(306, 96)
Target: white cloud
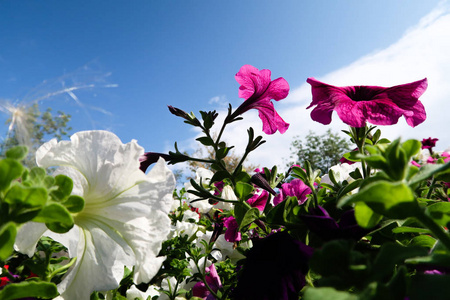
(219, 100)
(423, 51)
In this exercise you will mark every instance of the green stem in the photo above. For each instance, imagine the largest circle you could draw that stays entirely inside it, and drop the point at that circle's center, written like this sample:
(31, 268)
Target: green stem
(430, 191)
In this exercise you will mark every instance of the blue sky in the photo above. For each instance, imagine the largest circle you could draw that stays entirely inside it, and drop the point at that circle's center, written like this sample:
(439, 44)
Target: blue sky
(137, 57)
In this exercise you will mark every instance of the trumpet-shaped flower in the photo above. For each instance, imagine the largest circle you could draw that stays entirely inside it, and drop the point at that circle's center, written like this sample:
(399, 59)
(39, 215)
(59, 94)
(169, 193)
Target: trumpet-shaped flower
(125, 218)
(356, 105)
(257, 89)
(295, 188)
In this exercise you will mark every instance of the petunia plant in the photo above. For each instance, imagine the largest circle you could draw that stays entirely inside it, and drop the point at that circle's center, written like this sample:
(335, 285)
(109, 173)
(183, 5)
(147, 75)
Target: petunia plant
(375, 226)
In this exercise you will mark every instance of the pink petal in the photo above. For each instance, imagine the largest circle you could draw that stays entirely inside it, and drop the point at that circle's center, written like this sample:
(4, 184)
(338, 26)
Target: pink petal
(270, 118)
(278, 89)
(259, 201)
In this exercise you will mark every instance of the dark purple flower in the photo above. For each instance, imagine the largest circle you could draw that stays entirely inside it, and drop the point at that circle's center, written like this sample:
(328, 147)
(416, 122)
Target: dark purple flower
(275, 268)
(213, 281)
(323, 225)
(295, 188)
(257, 89)
(356, 105)
(259, 179)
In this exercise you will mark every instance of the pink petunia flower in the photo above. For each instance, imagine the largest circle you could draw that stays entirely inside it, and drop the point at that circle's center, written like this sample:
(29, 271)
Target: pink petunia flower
(259, 200)
(429, 143)
(257, 89)
(232, 234)
(212, 279)
(356, 105)
(295, 188)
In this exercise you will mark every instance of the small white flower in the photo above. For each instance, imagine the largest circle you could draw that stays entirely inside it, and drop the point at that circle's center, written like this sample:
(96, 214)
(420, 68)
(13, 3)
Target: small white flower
(341, 173)
(227, 194)
(191, 215)
(125, 218)
(185, 228)
(133, 293)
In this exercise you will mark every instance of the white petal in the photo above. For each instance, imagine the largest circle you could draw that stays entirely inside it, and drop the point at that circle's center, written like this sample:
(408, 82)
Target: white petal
(27, 237)
(109, 166)
(101, 256)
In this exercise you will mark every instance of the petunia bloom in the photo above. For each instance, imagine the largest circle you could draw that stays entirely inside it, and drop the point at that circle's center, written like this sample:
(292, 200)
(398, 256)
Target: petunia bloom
(356, 105)
(295, 188)
(258, 89)
(259, 200)
(232, 234)
(429, 143)
(125, 218)
(275, 268)
(322, 224)
(212, 279)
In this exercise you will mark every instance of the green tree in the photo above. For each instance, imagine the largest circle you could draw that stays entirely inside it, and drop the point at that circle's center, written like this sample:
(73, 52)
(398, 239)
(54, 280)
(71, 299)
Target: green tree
(322, 151)
(31, 127)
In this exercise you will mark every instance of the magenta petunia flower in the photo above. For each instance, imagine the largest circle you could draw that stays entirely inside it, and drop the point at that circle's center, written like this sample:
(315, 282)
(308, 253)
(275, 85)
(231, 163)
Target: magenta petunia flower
(257, 89)
(295, 188)
(356, 105)
(212, 279)
(232, 234)
(429, 143)
(259, 200)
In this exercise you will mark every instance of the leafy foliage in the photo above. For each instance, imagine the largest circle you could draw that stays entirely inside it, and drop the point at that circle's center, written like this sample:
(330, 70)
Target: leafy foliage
(31, 127)
(321, 151)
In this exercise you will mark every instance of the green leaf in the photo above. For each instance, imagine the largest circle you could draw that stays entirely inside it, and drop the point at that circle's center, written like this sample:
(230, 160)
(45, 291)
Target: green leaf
(64, 185)
(375, 161)
(407, 229)
(427, 171)
(243, 189)
(350, 187)
(36, 176)
(56, 217)
(7, 238)
(74, 204)
(10, 170)
(17, 153)
(25, 289)
(391, 255)
(411, 148)
(250, 216)
(440, 212)
(205, 141)
(392, 199)
(425, 241)
(366, 217)
(26, 196)
(327, 293)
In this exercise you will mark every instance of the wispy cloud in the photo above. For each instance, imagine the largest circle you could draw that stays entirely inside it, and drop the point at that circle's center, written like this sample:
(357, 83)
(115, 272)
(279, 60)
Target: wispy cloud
(423, 51)
(218, 100)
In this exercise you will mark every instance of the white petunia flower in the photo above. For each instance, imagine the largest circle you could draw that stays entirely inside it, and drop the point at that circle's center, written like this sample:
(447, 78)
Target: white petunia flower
(342, 172)
(191, 215)
(125, 218)
(185, 228)
(227, 194)
(134, 293)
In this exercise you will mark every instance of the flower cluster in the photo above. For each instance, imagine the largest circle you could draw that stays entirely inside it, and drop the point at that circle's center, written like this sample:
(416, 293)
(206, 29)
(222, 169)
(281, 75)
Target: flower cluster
(103, 227)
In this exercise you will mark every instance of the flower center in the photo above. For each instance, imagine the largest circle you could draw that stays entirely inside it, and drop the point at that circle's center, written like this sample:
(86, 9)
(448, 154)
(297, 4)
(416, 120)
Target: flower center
(360, 93)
